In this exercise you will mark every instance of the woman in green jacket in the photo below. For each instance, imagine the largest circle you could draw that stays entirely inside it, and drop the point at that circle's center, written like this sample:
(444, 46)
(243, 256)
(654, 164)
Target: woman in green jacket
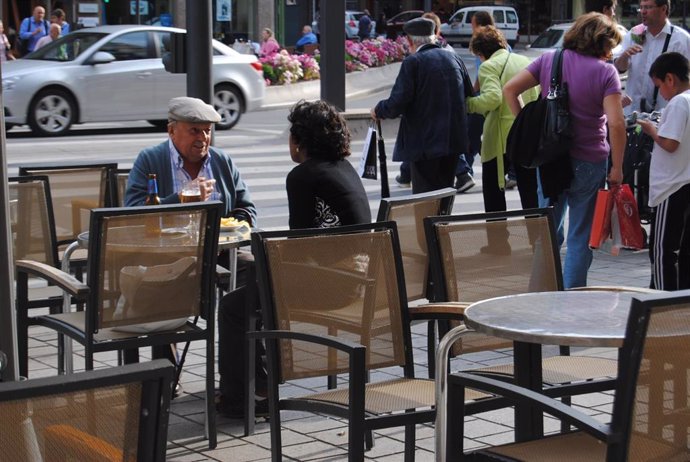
(499, 66)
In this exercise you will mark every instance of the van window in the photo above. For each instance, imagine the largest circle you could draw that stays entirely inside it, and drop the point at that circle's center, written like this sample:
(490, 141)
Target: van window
(511, 16)
(457, 17)
(468, 17)
(498, 17)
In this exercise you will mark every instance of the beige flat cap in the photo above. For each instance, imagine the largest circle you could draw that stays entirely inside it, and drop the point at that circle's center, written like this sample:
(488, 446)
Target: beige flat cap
(194, 110)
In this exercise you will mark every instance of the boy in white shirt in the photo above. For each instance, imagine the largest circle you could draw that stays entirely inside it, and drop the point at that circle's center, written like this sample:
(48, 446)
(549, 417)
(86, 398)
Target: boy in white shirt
(669, 175)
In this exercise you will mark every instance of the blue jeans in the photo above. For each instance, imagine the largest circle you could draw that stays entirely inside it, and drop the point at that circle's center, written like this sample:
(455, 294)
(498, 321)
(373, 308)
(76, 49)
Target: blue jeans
(579, 199)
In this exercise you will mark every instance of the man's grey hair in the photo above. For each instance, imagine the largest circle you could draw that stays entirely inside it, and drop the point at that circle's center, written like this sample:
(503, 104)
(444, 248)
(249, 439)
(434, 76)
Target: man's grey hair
(420, 40)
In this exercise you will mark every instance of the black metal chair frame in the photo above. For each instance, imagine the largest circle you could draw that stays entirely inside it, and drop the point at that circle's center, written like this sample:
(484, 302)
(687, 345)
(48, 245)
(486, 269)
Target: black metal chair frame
(89, 295)
(155, 377)
(447, 197)
(615, 435)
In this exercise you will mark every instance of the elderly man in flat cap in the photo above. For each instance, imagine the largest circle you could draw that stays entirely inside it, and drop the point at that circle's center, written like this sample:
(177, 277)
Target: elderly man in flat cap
(187, 155)
(429, 93)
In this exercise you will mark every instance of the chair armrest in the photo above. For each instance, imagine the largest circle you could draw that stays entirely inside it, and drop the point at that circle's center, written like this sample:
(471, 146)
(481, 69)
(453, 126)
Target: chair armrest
(639, 290)
(439, 310)
(65, 281)
(551, 406)
(326, 340)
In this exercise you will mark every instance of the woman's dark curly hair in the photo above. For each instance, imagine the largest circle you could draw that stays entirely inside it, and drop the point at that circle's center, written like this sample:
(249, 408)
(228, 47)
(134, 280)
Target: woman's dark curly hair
(320, 130)
(593, 34)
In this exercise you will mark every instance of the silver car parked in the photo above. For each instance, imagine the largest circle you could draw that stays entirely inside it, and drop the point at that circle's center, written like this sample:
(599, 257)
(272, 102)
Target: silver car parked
(115, 73)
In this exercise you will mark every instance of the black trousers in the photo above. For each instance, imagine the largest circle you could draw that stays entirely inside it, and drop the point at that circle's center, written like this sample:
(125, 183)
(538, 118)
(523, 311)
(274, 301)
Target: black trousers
(495, 198)
(669, 242)
(238, 311)
(432, 174)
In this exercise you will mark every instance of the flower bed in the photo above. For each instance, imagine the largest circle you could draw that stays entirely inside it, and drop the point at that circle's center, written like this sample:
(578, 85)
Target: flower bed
(283, 68)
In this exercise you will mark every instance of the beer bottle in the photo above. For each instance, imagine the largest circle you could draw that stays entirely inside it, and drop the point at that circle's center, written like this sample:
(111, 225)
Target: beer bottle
(153, 223)
(152, 195)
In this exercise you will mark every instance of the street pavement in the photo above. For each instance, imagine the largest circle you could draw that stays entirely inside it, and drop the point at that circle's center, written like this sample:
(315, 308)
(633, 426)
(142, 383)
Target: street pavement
(259, 146)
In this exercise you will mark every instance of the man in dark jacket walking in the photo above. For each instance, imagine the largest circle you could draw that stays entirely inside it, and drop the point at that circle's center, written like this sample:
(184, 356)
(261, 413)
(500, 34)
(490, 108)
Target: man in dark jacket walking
(429, 93)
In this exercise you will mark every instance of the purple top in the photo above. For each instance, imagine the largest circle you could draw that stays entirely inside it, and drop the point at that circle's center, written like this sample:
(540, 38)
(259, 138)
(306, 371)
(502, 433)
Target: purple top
(589, 80)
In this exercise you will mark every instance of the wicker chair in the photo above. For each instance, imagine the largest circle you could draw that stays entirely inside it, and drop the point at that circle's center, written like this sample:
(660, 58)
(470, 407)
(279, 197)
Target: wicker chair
(107, 415)
(334, 302)
(650, 419)
(150, 269)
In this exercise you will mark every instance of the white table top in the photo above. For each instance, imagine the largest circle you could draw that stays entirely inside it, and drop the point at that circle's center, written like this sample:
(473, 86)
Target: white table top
(574, 318)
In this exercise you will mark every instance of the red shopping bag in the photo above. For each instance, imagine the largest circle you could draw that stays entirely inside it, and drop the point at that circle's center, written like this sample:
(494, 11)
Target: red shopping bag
(601, 223)
(628, 218)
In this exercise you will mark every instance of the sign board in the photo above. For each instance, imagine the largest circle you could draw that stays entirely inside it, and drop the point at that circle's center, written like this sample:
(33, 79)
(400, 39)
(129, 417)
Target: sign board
(88, 21)
(223, 10)
(88, 8)
(143, 7)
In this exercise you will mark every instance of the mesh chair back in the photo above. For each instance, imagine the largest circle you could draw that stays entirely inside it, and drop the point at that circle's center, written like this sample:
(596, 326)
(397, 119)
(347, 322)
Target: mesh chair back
(31, 220)
(103, 418)
(151, 264)
(74, 192)
(510, 253)
(118, 179)
(660, 419)
(409, 212)
(346, 284)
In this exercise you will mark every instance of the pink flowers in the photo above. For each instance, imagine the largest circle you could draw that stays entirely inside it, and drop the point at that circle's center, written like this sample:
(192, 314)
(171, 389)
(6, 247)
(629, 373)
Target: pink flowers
(638, 34)
(282, 68)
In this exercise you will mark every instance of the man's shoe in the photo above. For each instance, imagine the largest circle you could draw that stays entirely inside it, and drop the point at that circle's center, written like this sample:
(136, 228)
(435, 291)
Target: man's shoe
(403, 182)
(236, 410)
(510, 183)
(464, 182)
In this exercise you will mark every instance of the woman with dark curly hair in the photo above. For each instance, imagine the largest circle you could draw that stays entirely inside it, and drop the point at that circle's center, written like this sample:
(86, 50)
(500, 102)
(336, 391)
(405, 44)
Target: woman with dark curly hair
(594, 90)
(324, 190)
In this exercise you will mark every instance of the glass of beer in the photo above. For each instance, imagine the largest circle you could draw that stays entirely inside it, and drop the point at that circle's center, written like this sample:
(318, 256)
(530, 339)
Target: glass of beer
(190, 192)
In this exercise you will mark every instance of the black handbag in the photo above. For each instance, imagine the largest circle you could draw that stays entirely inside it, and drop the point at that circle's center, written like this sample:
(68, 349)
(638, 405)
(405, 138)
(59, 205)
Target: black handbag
(557, 132)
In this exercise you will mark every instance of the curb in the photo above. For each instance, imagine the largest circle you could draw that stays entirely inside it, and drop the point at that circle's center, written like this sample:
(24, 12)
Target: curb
(360, 83)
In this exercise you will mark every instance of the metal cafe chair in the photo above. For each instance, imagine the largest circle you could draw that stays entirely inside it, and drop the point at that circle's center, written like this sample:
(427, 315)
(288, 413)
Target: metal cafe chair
(112, 414)
(75, 190)
(334, 302)
(650, 418)
(475, 257)
(150, 271)
(409, 212)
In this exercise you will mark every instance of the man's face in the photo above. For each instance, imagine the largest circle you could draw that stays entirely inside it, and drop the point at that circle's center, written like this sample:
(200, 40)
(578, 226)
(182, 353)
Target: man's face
(192, 140)
(652, 15)
(55, 31)
(39, 13)
(305, 31)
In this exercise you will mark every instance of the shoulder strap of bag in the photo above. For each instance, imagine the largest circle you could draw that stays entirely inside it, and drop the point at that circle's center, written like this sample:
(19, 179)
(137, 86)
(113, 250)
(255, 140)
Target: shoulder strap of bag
(656, 89)
(556, 69)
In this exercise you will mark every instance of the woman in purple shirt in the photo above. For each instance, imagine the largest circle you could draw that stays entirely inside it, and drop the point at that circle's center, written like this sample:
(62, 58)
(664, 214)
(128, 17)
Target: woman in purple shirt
(595, 101)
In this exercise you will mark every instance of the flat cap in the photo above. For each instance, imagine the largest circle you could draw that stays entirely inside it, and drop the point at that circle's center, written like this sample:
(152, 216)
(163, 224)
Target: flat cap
(420, 27)
(192, 110)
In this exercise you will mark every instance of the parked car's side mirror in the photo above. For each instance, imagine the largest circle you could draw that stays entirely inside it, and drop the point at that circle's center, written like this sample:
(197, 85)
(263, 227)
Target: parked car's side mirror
(101, 57)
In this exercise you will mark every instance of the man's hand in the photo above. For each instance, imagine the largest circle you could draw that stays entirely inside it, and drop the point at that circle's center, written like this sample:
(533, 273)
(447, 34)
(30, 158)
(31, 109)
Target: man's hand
(626, 100)
(623, 61)
(373, 114)
(206, 187)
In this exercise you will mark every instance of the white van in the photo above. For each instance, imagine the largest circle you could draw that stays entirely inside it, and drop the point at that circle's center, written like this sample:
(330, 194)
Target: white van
(459, 26)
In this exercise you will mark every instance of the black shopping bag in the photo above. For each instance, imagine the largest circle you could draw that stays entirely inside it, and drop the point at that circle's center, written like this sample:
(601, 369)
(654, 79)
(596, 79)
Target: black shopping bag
(367, 165)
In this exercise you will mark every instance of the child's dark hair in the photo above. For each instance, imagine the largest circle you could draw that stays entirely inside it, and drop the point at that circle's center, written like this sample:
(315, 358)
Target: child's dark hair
(670, 62)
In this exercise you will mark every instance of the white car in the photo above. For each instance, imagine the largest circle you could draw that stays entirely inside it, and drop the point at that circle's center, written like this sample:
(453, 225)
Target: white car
(552, 38)
(458, 29)
(115, 73)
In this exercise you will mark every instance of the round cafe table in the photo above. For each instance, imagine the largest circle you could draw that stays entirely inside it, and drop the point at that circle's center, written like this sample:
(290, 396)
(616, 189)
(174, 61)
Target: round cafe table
(572, 318)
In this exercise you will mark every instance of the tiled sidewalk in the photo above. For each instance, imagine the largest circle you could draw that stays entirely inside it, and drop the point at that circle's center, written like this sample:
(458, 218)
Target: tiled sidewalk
(307, 437)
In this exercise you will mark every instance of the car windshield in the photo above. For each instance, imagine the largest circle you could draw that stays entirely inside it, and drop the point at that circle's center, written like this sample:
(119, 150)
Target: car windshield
(66, 48)
(548, 39)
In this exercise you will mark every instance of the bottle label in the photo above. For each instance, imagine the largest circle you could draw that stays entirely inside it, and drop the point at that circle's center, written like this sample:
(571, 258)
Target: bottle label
(153, 186)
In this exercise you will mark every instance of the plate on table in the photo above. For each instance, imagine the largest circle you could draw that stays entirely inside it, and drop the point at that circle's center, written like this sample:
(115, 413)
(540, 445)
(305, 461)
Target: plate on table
(232, 225)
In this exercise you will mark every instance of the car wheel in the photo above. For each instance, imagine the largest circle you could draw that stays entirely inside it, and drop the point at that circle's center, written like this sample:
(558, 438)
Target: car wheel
(52, 112)
(160, 124)
(228, 102)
